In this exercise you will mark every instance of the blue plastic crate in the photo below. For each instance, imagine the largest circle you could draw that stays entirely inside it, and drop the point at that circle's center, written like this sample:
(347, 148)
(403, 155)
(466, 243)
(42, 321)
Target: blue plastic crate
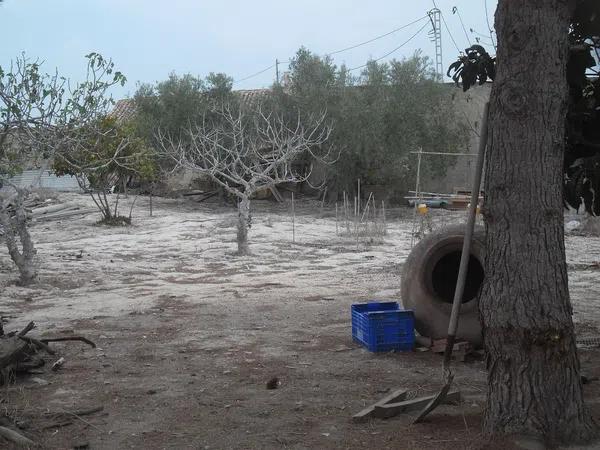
(383, 326)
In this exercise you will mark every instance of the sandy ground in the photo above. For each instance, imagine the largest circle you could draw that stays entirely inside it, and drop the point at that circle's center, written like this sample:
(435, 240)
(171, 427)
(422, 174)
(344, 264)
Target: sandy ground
(188, 333)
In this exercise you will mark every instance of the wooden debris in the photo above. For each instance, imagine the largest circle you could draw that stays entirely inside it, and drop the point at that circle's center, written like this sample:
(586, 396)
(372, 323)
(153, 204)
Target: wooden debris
(30, 326)
(58, 364)
(37, 344)
(77, 412)
(70, 338)
(392, 409)
(57, 425)
(276, 194)
(19, 439)
(20, 353)
(13, 350)
(460, 350)
(368, 412)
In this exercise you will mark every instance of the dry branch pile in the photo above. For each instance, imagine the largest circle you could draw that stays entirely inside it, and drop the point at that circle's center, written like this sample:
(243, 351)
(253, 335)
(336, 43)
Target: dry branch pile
(20, 354)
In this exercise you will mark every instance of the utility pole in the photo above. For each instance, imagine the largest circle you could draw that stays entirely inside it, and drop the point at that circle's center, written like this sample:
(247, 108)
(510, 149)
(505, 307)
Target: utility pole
(435, 36)
(277, 70)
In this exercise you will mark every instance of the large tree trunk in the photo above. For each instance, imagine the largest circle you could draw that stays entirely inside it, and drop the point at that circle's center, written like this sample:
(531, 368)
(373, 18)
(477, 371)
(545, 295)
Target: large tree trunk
(533, 368)
(243, 225)
(16, 228)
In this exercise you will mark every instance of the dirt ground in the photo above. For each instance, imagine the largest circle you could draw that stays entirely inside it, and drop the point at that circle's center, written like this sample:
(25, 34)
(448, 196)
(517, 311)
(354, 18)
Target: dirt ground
(189, 334)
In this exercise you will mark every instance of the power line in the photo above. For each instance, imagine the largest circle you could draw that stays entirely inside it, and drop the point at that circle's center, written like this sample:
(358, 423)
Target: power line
(392, 51)
(450, 34)
(376, 38)
(260, 72)
(457, 12)
(487, 20)
(253, 75)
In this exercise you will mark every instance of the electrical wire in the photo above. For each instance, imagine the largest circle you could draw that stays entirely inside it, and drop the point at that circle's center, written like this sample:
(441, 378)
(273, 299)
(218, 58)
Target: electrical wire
(376, 38)
(462, 24)
(338, 51)
(254, 74)
(449, 33)
(487, 20)
(392, 51)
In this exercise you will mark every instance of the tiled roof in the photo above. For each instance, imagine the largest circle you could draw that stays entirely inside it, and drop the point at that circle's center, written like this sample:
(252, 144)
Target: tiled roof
(251, 97)
(123, 110)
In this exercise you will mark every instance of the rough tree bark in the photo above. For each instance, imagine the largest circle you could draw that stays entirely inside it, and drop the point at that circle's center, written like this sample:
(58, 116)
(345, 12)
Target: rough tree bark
(533, 368)
(17, 226)
(242, 227)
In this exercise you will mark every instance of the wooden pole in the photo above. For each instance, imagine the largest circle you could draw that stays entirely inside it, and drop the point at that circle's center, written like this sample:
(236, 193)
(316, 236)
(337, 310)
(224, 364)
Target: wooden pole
(358, 195)
(366, 211)
(383, 213)
(293, 220)
(336, 224)
(417, 195)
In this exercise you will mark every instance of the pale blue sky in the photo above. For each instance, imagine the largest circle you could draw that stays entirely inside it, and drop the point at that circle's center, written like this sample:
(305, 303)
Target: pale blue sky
(148, 39)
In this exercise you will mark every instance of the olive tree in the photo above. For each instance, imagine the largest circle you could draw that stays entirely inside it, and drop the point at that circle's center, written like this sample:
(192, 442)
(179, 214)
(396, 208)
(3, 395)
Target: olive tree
(247, 150)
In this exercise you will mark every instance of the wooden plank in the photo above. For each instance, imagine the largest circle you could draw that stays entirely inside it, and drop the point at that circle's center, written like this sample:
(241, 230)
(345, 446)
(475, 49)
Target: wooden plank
(367, 413)
(393, 409)
(276, 194)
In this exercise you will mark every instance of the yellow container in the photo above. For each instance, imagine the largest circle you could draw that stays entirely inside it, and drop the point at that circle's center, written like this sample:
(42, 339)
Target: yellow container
(422, 208)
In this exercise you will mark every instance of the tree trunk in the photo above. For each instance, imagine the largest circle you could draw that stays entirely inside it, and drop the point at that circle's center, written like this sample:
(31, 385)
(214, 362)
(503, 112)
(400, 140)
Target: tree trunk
(533, 368)
(243, 225)
(17, 226)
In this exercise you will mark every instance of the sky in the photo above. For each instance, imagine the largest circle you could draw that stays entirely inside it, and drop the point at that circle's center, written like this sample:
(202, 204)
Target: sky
(148, 39)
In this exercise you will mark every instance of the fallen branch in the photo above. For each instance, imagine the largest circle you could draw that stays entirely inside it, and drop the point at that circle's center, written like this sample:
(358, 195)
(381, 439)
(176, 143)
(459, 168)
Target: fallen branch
(13, 351)
(27, 366)
(71, 338)
(37, 344)
(57, 425)
(17, 438)
(84, 412)
(78, 417)
(30, 326)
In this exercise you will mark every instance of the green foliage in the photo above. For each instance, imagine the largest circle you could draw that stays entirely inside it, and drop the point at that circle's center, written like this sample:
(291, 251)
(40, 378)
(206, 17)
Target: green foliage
(105, 154)
(40, 112)
(171, 105)
(379, 117)
(582, 147)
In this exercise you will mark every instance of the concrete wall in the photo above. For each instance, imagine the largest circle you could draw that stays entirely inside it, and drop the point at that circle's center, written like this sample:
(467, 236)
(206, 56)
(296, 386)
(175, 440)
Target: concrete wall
(469, 108)
(29, 178)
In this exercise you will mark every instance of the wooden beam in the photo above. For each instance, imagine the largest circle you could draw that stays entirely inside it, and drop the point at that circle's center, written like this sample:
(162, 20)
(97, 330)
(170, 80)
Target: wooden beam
(392, 409)
(367, 413)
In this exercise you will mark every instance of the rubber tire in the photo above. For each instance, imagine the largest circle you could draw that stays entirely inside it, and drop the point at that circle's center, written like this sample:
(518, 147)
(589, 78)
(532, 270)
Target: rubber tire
(432, 313)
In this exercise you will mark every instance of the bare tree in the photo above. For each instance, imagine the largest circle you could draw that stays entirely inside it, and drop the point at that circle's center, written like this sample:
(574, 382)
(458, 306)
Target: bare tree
(246, 151)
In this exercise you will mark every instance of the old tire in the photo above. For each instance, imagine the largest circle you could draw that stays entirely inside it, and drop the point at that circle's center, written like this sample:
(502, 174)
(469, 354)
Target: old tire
(429, 278)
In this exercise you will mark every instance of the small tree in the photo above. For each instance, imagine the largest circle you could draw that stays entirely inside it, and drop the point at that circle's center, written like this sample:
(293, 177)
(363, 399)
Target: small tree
(104, 155)
(247, 151)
